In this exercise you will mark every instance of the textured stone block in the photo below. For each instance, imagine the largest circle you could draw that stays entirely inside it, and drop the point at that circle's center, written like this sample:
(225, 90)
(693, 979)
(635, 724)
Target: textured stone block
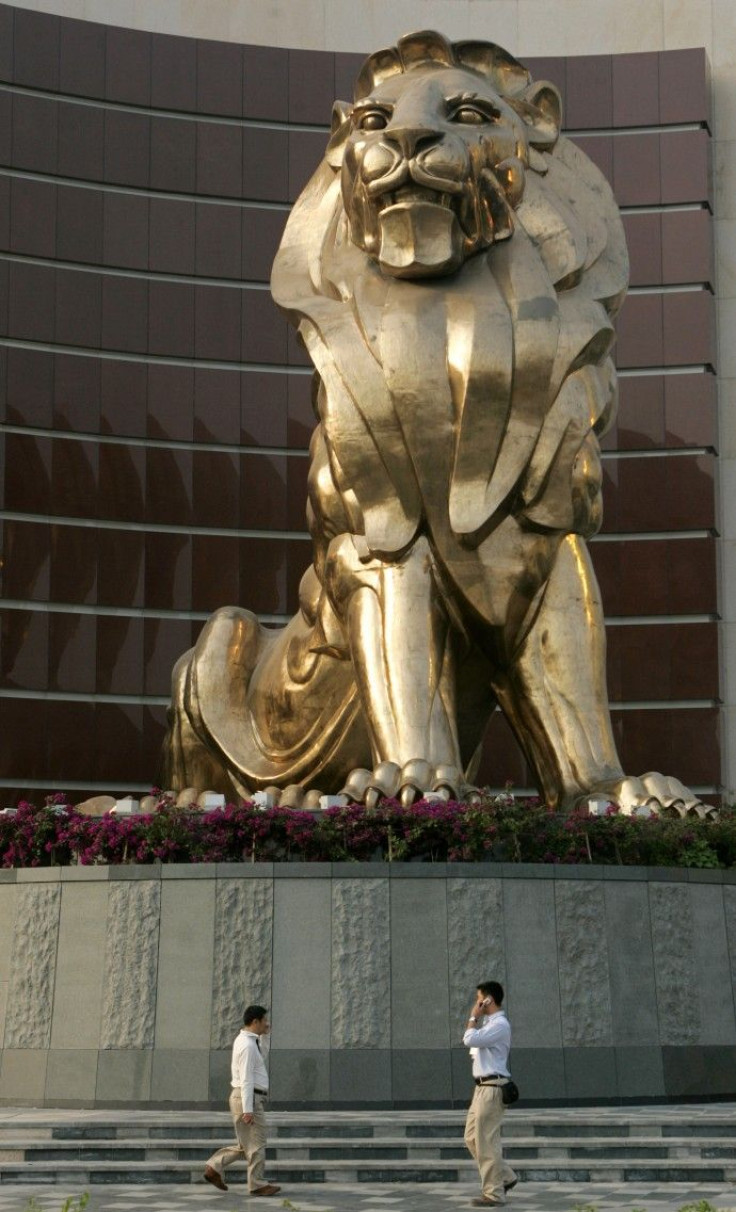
(301, 981)
(714, 994)
(124, 1076)
(531, 963)
(131, 964)
(628, 938)
(71, 1076)
(243, 945)
(584, 981)
(299, 1077)
(360, 1075)
(8, 900)
(185, 965)
(33, 967)
(23, 1075)
(80, 967)
(674, 963)
(361, 964)
(419, 977)
(180, 1075)
(475, 942)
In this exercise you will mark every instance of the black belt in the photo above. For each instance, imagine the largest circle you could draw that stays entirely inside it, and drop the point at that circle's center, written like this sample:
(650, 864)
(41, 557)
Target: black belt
(263, 1092)
(490, 1077)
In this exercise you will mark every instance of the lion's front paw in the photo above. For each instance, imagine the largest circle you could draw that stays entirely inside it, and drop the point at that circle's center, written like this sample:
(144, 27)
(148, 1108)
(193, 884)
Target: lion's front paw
(652, 792)
(409, 782)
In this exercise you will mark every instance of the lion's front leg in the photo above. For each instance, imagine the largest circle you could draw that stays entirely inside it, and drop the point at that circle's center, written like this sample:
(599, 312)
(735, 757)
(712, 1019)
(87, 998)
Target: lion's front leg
(402, 653)
(555, 695)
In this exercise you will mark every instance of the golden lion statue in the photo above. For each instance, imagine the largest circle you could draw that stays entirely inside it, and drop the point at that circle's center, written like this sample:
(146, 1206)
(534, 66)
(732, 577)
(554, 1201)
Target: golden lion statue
(453, 268)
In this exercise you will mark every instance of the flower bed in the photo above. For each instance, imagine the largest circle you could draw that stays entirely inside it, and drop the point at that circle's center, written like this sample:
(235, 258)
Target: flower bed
(496, 828)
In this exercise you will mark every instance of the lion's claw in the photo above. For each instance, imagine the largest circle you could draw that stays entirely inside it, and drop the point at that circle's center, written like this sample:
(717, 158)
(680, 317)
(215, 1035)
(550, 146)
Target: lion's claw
(653, 791)
(410, 782)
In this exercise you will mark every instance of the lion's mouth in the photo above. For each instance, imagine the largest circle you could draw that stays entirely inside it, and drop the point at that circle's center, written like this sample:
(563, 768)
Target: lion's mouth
(410, 194)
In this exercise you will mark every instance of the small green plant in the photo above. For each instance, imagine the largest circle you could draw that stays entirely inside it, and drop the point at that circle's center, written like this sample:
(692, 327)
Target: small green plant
(72, 1203)
(702, 1205)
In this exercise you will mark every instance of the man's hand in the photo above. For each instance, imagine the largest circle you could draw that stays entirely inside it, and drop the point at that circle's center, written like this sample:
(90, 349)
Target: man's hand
(247, 1117)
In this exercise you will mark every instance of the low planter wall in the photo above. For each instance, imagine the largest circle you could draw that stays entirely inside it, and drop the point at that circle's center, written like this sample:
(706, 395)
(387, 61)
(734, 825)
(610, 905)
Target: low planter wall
(124, 986)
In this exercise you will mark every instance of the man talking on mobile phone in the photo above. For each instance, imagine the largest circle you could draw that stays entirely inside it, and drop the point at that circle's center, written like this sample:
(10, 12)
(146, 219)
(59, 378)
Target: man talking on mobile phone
(248, 1097)
(488, 1036)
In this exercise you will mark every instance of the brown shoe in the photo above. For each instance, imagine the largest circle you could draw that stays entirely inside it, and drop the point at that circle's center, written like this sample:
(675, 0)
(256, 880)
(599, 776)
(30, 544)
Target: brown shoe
(269, 1189)
(484, 1202)
(213, 1177)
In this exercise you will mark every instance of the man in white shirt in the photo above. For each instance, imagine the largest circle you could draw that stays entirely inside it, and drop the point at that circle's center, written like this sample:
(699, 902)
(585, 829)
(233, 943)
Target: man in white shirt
(248, 1096)
(488, 1036)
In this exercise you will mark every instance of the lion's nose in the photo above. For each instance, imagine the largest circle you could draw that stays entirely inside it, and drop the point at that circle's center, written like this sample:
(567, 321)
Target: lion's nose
(410, 138)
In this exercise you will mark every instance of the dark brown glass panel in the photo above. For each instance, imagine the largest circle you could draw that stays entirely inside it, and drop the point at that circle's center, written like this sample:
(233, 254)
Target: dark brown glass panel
(81, 141)
(263, 492)
(262, 232)
(217, 323)
(297, 470)
(636, 89)
(171, 236)
(639, 332)
(121, 568)
(72, 652)
(691, 410)
(26, 561)
(173, 72)
(662, 576)
(27, 473)
(263, 574)
(7, 21)
(73, 564)
(215, 573)
(168, 579)
(218, 240)
(36, 50)
(265, 164)
(301, 418)
(169, 486)
(669, 493)
(153, 732)
(682, 742)
(220, 78)
(599, 148)
(74, 467)
(589, 101)
(82, 58)
(125, 233)
(219, 159)
(5, 213)
(266, 83)
(31, 302)
(502, 761)
(264, 329)
(311, 86)
(674, 661)
(689, 328)
(347, 67)
(122, 482)
(636, 169)
(683, 83)
(263, 403)
(171, 319)
(306, 150)
(217, 406)
(79, 225)
(125, 304)
(164, 641)
(170, 402)
(118, 745)
(685, 166)
(78, 308)
(644, 240)
(32, 214)
(119, 655)
(173, 154)
(77, 393)
(640, 422)
(687, 246)
(298, 559)
(216, 489)
(30, 377)
(127, 148)
(35, 141)
(24, 649)
(128, 76)
(123, 402)
(24, 728)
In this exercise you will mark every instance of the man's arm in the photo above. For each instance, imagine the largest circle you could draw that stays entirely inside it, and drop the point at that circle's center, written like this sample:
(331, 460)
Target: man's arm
(483, 1037)
(247, 1082)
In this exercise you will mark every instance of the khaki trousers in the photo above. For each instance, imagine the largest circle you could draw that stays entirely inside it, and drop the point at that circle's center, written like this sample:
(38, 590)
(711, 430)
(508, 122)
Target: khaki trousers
(483, 1139)
(251, 1141)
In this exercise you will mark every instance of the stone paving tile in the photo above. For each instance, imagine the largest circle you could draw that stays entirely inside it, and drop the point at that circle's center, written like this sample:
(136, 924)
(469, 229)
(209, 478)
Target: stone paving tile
(529, 1197)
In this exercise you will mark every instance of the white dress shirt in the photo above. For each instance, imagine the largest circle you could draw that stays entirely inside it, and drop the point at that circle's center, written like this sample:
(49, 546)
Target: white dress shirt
(248, 1071)
(490, 1044)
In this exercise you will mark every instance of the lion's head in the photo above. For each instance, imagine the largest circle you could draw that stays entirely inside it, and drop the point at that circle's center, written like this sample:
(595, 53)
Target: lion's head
(435, 151)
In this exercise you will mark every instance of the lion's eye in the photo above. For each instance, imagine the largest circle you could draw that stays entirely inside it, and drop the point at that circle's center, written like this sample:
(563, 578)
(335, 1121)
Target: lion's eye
(374, 119)
(468, 115)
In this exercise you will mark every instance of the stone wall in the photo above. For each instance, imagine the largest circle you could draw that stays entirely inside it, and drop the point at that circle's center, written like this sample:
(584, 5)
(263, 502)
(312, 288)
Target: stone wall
(124, 986)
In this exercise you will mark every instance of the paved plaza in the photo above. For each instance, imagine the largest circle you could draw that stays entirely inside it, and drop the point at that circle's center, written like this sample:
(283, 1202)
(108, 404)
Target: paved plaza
(415, 1197)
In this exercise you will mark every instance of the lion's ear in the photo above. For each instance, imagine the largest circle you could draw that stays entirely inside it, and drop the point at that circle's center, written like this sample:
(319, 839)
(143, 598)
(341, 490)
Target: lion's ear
(339, 130)
(540, 105)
